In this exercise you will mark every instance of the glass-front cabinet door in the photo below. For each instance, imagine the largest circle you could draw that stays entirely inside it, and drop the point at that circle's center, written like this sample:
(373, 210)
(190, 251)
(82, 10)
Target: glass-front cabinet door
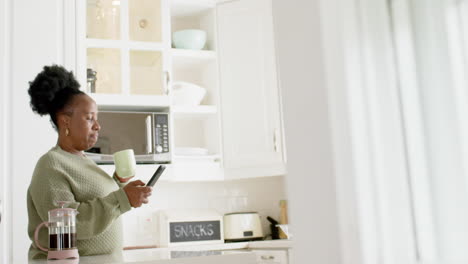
(123, 47)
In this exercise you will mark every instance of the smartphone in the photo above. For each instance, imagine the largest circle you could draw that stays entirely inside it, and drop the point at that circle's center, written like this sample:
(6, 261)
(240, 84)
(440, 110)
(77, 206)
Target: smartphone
(156, 175)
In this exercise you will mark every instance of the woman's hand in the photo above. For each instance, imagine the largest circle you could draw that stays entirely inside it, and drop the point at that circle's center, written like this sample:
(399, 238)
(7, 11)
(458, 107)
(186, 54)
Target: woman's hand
(137, 193)
(122, 180)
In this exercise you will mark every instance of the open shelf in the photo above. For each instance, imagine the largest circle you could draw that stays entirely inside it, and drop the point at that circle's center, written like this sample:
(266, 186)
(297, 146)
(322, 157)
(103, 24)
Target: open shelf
(203, 135)
(130, 102)
(189, 14)
(196, 126)
(181, 8)
(191, 58)
(199, 111)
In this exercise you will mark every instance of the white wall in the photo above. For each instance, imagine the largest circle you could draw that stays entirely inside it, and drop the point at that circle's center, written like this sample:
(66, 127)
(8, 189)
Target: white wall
(311, 182)
(36, 41)
(261, 195)
(347, 181)
(4, 148)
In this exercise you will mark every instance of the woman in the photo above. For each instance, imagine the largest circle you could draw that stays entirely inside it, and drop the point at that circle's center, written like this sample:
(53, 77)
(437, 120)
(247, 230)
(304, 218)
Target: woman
(64, 173)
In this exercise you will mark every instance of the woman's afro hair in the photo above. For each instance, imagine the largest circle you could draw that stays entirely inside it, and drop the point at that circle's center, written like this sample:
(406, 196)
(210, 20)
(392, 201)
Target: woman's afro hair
(52, 89)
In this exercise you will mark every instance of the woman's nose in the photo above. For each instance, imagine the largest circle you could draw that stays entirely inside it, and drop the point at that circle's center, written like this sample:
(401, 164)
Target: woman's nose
(96, 126)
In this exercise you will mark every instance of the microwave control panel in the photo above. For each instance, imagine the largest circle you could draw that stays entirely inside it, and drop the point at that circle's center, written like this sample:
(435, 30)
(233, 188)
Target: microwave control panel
(161, 128)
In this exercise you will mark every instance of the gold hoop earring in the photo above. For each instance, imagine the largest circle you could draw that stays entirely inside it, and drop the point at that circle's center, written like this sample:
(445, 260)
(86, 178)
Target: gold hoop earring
(67, 132)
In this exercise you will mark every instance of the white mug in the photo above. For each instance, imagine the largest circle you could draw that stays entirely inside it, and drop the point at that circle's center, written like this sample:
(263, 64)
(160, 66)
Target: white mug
(125, 163)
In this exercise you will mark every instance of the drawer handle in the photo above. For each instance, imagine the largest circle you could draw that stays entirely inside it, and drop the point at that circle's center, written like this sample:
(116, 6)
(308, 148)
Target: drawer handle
(267, 257)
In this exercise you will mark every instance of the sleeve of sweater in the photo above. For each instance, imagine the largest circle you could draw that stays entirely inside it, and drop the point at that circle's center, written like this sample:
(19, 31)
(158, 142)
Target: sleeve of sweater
(94, 216)
(121, 184)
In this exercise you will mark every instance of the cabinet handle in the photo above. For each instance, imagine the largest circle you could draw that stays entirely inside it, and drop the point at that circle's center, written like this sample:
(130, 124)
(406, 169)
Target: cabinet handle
(267, 257)
(167, 80)
(276, 140)
(149, 134)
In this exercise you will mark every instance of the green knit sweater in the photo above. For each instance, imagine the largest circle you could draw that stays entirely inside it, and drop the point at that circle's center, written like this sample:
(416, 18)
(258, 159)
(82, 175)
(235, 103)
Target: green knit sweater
(99, 199)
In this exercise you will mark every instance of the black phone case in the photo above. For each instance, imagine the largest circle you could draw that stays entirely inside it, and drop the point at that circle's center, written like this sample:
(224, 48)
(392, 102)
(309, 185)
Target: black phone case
(156, 175)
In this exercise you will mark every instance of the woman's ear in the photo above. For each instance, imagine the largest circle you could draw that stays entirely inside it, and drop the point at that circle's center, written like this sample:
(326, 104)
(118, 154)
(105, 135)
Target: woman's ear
(64, 120)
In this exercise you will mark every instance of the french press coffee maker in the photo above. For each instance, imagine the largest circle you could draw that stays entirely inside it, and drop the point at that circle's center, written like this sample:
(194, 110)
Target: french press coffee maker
(62, 233)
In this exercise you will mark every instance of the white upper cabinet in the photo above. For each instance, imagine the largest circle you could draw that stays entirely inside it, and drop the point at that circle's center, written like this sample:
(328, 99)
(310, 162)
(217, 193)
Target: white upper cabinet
(123, 48)
(251, 120)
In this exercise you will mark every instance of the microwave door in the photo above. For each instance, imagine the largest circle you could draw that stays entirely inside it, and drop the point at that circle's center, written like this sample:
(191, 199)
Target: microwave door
(149, 135)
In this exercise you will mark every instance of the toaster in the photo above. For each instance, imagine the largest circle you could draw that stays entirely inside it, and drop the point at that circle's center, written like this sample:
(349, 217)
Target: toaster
(242, 226)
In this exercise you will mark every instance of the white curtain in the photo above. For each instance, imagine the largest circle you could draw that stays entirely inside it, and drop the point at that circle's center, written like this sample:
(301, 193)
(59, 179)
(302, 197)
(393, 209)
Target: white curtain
(435, 110)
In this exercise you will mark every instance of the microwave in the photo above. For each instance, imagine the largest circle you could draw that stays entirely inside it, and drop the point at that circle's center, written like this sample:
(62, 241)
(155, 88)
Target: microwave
(147, 133)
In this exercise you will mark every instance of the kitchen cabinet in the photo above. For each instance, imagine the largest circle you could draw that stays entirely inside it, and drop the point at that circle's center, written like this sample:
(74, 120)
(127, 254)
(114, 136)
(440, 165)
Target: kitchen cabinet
(125, 45)
(240, 122)
(252, 129)
(268, 256)
(122, 47)
(237, 127)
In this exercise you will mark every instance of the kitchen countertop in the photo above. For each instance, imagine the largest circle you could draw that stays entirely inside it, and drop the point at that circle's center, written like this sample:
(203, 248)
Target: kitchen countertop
(269, 244)
(147, 256)
(225, 253)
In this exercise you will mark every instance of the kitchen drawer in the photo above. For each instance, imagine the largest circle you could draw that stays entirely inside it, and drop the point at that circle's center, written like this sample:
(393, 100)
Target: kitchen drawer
(271, 256)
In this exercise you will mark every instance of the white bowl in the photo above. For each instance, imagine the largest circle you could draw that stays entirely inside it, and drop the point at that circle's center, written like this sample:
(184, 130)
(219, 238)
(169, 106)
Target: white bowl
(189, 39)
(184, 93)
